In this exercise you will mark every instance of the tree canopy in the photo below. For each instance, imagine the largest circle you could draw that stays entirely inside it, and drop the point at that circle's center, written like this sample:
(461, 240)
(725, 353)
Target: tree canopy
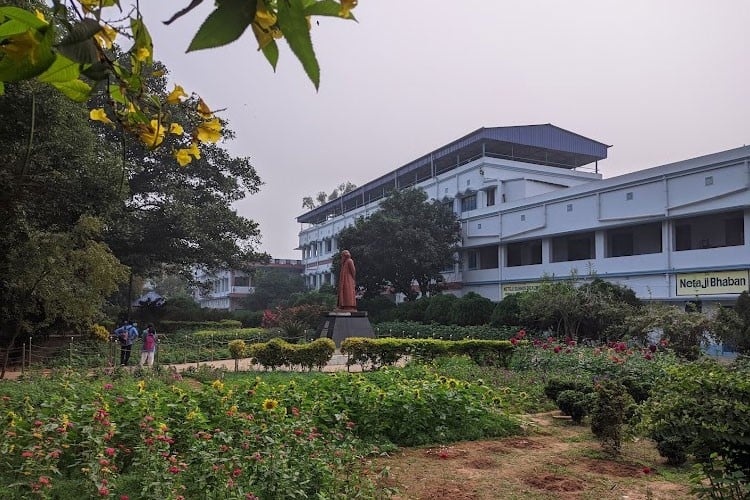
(408, 241)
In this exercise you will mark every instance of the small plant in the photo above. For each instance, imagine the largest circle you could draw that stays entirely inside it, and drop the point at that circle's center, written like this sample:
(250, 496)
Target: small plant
(608, 412)
(718, 478)
(237, 348)
(574, 403)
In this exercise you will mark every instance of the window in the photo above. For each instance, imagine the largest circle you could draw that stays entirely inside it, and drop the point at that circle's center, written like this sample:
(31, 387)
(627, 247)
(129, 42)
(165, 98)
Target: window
(725, 229)
(573, 247)
(241, 281)
(471, 259)
(329, 246)
(488, 257)
(634, 240)
(490, 193)
(469, 203)
(629, 195)
(524, 253)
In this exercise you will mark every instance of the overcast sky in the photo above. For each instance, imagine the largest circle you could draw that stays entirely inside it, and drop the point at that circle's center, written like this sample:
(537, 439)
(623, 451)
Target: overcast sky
(659, 80)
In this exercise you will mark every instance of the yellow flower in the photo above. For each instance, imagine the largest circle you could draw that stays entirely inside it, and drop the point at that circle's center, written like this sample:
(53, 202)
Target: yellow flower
(22, 46)
(40, 16)
(141, 385)
(217, 384)
(203, 109)
(176, 129)
(270, 404)
(183, 157)
(175, 95)
(99, 115)
(106, 36)
(142, 54)
(194, 150)
(346, 6)
(264, 17)
(233, 408)
(152, 135)
(209, 131)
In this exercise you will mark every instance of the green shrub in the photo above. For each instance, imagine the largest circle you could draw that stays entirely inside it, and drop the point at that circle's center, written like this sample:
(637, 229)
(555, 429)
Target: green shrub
(471, 310)
(414, 330)
(555, 386)
(440, 309)
(574, 403)
(608, 414)
(507, 311)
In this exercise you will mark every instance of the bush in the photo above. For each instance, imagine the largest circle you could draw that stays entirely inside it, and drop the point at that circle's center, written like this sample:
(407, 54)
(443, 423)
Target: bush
(414, 330)
(507, 312)
(472, 309)
(440, 309)
(555, 386)
(608, 414)
(574, 403)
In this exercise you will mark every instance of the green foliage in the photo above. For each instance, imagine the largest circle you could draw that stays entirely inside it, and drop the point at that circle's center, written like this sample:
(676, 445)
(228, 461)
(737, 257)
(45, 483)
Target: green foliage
(440, 309)
(387, 351)
(414, 406)
(685, 331)
(507, 312)
(277, 352)
(274, 287)
(209, 326)
(472, 310)
(408, 239)
(732, 326)
(410, 329)
(575, 403)
(718, 478)
(701, 408)
(378, 308)
(608, 414)
(555, 386)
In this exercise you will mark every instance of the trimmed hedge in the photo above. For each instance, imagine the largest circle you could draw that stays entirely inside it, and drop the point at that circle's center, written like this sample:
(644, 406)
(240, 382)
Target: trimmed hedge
(387, 351)
(278, 352)
(168, 326)
(414, 330)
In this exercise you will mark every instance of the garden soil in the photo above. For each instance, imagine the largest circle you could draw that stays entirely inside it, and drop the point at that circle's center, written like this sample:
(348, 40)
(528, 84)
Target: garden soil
(554, 460)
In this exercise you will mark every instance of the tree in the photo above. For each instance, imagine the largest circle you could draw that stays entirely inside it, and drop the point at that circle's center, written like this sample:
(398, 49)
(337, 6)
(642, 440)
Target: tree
(274, 287)
(73, 49)
(59, 183)
(321, 198)
(408, 240)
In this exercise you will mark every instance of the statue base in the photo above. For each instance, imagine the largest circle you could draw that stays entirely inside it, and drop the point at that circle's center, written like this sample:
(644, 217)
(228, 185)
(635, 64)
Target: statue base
(338, 325)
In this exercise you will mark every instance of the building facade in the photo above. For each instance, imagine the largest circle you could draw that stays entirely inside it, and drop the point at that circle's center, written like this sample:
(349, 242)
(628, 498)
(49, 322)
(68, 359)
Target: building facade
(533, 205)
(227, 289)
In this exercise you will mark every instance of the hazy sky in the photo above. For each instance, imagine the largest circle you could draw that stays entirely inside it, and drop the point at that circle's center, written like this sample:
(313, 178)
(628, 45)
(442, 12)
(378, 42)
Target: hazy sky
(659, 80)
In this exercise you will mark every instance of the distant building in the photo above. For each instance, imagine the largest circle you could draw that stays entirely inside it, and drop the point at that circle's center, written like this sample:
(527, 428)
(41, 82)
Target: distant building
(228, 288)
(532, 204)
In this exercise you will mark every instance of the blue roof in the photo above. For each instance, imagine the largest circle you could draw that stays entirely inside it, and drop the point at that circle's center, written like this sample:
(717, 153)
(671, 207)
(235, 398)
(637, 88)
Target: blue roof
(544, 144)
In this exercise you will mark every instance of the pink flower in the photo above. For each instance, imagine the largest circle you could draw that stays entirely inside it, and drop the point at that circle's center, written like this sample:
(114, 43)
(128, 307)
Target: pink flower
(37, 423)
(108, 387)
(514, 341)
(110, 452)
(648, 356)
(103, 491)
(236, 472)
(174, 469)
(27, 454)
(557, 348)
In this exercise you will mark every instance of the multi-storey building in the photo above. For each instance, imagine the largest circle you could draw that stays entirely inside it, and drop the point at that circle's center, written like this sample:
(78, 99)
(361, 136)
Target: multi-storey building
(226, 289)
(532, 204)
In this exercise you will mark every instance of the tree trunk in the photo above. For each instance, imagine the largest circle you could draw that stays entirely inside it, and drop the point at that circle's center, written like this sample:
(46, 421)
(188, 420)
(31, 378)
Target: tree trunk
(16, 333)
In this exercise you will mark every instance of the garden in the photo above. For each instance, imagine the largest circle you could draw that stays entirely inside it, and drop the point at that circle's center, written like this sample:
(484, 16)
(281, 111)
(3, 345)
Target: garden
(447, 409)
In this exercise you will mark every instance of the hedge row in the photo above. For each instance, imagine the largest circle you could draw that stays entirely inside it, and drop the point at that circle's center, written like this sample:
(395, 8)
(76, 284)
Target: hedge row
(168, 326)
(387, 351)
(277, 352)
(414, 330)
(226, 334)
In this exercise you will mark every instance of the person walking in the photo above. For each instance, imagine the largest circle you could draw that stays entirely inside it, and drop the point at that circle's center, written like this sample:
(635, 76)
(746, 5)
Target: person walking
(149, 346)
(126, 335)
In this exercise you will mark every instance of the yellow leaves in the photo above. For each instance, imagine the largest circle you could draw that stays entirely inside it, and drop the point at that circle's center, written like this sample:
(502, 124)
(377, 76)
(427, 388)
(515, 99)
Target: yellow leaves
(264, 17)
(106, 36)
(193, 150)
(265, 25)
(176, 94)
(99, 115)
(346, 6)
(153, 134)
(209, 131)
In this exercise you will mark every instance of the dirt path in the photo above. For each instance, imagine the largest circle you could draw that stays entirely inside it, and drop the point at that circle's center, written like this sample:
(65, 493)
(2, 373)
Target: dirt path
(556, 460)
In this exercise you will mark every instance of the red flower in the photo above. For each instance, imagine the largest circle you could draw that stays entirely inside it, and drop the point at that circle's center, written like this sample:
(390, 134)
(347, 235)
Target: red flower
(557, 348)
(521, 334)
(648, 356)
(236, 472)
(110, 452)
(652, 347)
(647, 470)
(103, 491)
(514, 341)
(174, 469)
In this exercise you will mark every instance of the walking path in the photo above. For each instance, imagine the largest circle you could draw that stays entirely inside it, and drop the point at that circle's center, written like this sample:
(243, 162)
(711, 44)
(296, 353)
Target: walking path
(337, 363)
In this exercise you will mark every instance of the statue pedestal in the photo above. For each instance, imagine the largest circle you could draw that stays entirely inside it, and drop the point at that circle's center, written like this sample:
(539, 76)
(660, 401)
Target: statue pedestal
(338, 325)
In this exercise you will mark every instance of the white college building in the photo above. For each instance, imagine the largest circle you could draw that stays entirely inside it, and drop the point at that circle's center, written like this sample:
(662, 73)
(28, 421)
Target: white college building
(532, 204)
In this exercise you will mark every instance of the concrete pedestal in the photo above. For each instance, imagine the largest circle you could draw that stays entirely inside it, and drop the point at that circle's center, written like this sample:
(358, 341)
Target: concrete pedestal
(338, 325)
